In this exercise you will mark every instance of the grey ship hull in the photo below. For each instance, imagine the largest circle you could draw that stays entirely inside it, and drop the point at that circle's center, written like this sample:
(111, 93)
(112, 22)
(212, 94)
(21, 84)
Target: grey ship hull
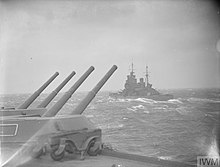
(160, 97)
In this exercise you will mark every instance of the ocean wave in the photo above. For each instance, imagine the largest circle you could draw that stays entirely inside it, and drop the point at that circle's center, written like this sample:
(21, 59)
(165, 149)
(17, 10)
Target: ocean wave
(91, 107)
(131, 109)
(166, 157)
(175, 101)
(143, 100)
(160, 108)
(111, 100)
(182, 110)
(193, 99)
(135, 108)
(110, 126)
(150, 120)
(138, 107)
(100, 101)
(89, 116)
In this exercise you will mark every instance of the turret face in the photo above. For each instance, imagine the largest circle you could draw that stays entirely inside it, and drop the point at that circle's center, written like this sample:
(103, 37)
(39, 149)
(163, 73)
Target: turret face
(37, 93)
(86, 101)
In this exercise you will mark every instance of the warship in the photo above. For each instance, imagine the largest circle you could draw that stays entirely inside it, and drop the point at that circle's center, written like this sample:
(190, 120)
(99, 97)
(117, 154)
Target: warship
(42, 137)
(141, 89)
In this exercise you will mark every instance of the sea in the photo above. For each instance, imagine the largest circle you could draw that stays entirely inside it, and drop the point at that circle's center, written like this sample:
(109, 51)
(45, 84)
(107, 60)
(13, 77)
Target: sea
(178, 129)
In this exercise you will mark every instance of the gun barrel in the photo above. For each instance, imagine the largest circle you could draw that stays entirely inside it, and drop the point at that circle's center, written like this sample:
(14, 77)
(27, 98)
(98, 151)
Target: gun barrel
(28, 102)
(50, 97)
(85, 102)
(55, 108)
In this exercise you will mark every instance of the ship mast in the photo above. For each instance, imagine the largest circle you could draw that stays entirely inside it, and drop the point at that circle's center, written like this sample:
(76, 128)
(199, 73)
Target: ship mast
(147, 76)
(132, 68)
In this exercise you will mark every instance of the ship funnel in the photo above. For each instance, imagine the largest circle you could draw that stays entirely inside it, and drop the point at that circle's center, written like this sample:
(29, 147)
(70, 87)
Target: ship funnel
(85, 102)
(37, 93)
(55, 109)
(50, 97)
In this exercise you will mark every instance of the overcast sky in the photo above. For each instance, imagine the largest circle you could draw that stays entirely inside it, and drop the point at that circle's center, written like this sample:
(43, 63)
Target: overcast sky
(176, 39)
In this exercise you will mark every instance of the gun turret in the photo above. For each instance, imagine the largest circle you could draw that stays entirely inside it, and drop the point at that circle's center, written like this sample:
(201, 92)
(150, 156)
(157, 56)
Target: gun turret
(85, 102)
(55, 109)
(37, 93)
(50, 97)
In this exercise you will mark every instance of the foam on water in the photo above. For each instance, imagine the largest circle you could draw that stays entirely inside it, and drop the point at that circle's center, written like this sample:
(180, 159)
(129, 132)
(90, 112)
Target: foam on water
(160, 108)
(143, 100)
(183, 110)
(166, 157)
(138, 107)
(122, 100)
(92, 107)
(131, 109)
(111, 126)
(90, 116)
(175, 101)
(100, 101)
(213, 149)
(192, 99)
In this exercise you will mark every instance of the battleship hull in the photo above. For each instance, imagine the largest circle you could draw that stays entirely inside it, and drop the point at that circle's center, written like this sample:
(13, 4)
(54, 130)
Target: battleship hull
(160, 97)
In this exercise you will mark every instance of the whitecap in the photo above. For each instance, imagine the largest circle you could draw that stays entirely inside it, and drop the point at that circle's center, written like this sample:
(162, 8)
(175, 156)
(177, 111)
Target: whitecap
(121, 100)
(166, 157)
(92, 107)
(175, 101)
(182, 110)
(89, 116)
(135, 108)
(144, 100)
(159, 108)
(131, 109)
(193, 99)
(138, 107)
(111, 126)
